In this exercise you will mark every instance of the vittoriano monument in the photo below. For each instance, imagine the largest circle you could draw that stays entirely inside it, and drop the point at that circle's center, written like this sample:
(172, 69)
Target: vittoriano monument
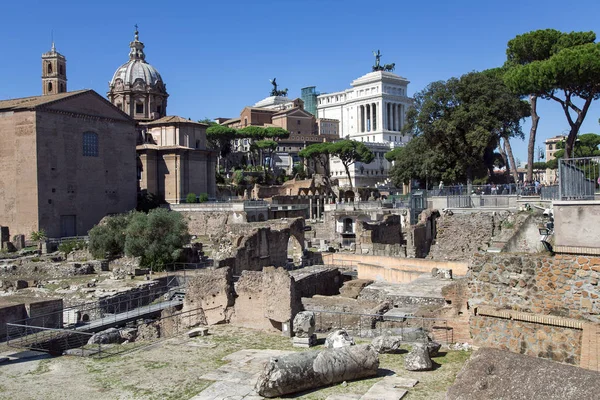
(378, 67)
(276, 92)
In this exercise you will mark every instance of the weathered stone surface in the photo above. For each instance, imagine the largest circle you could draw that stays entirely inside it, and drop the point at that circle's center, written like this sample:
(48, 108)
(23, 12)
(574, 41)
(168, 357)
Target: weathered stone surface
(128, 334)
(212, 291)
(496, 374)
(149, 331)
(279, 294)
(304, 341)
(202, 331)
(304, 324)
(387, 344)
(388, 389)
(418, 358)
(339, 338)
(110, 335)
(312, 369)
(19, 241)
(433, 348)
(352, 288)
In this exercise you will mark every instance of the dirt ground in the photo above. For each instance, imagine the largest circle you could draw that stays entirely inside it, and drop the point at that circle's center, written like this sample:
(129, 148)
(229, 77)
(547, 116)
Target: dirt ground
(170, 369)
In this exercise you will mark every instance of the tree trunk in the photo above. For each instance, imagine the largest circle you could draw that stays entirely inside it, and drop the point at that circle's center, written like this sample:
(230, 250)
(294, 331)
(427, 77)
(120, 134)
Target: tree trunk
(532, 133)
(515, 173)
(504, 160)
(348, 173)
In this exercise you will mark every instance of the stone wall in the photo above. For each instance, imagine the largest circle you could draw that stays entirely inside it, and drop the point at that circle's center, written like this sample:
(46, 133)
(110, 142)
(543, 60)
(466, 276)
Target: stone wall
(207, 223)
(315, 280)
(211, 293)
(556, 343)
(577, 227)
(526, 303)
(419, 237)
(381, 238)
(459, 236)
(257, 245)
(561, 285)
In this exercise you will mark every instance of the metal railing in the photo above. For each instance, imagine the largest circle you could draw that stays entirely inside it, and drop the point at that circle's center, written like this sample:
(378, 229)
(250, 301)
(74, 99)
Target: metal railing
(491, 189)
(550, 192)
(578, 178)
(372, 325)
(58, 341)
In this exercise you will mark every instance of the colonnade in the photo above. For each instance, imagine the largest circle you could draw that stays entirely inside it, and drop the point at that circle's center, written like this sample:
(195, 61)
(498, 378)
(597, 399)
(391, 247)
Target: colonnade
(368, 114)
(394, 117)
(367, 117)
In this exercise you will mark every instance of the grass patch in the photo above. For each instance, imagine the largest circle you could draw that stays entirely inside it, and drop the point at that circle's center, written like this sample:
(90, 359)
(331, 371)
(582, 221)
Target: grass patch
(42, 367)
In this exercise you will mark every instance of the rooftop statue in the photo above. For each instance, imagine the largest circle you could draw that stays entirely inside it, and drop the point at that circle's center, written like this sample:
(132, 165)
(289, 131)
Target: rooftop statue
(379, 67)
(276, 92)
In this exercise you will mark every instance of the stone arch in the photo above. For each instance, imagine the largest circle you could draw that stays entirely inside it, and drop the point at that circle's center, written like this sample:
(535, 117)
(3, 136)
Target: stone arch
(261, 217)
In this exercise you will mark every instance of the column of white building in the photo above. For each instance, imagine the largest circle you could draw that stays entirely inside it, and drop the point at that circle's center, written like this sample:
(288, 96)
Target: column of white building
(394, 116)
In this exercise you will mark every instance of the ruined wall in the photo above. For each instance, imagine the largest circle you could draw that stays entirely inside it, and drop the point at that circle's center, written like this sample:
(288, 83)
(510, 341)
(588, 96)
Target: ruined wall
(257, 245)
(250, 302)
(210, 290)
(381, 238)
(269, 299)
(201, 223)
(547, 298)
(556, 343)
(461, 235)
(419, 237)
(315, 280)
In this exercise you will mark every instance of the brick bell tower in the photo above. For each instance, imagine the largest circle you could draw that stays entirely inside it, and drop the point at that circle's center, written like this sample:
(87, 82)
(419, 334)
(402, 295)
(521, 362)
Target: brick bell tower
(54, 72)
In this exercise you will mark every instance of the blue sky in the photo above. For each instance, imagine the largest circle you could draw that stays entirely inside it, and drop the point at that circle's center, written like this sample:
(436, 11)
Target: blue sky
(218, 56)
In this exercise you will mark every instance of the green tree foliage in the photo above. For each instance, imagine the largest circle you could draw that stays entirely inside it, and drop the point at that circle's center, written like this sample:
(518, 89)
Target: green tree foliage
(586, 145)
(220, 138)
(191, 198)
(349, 152)
(238, 177)
(319, 153)
(107, 239)
(558, 66)
(157, 237)
(416, 160)
(274, 132)
(267, 146)
(147, 201)
(461, 122)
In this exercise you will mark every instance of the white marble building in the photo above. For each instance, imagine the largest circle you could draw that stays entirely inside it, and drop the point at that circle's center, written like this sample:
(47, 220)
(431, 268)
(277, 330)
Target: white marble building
(372, 111)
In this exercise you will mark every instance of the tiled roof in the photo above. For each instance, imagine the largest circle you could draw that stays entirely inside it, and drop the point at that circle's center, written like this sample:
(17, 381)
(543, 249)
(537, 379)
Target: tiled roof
(173, 119)
(28, 103)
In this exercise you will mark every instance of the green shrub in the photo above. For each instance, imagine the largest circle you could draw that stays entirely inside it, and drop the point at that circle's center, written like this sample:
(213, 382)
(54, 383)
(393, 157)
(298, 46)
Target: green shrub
(157, 237)
(72, 245)
(108, 239)
(203, 197)
(38, 236)
(147, 201)
(191, 198)
(238, 177)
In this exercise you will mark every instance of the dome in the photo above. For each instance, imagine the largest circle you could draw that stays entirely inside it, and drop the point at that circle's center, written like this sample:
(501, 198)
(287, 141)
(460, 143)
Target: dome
(135, 69)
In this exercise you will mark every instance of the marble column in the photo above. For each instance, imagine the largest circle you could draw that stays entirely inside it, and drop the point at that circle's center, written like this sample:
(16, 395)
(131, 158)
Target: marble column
(310, 208)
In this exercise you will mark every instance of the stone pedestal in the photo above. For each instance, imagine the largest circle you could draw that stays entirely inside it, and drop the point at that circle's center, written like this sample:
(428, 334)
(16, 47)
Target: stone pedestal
(304, 341)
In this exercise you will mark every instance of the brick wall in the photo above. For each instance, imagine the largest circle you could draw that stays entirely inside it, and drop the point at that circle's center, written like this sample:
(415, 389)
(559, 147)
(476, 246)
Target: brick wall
(535, 305)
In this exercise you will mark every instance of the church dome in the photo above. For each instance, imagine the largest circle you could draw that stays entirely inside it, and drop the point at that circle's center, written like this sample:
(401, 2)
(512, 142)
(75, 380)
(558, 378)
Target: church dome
(136, 70)
(132, 70)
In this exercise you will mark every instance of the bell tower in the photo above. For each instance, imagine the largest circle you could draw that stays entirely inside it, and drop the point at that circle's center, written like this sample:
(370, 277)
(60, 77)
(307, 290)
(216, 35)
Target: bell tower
(54, 72)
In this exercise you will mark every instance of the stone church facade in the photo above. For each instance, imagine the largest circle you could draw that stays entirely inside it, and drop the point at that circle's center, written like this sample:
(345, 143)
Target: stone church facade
(172, 154)
(68, 160)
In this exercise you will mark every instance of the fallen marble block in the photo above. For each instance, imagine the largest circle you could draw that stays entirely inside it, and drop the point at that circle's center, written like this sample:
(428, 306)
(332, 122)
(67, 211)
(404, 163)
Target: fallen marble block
(312, 369)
